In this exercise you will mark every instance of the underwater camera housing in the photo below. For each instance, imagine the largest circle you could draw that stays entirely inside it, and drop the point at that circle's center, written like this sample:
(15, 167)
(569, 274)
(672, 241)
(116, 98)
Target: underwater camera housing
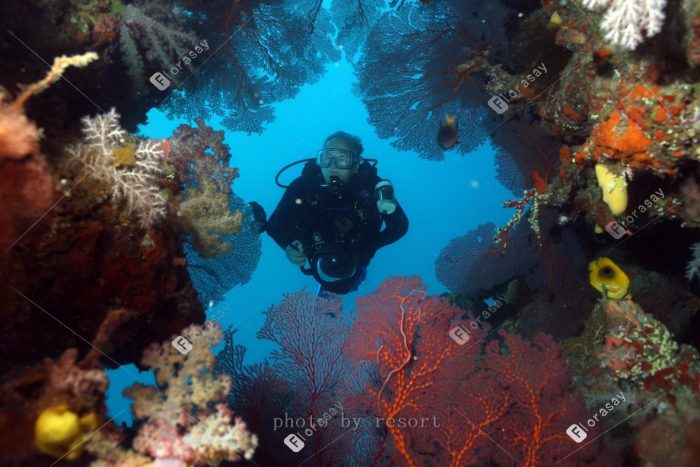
(336, 267)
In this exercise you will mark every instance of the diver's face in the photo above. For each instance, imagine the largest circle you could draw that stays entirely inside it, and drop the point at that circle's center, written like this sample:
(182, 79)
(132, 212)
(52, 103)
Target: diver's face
(332, 171)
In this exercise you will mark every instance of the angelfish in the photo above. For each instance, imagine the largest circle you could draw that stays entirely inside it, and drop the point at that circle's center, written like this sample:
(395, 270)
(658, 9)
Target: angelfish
(447, 134)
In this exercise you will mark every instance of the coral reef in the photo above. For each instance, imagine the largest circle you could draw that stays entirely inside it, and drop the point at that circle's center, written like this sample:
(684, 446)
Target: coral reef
(84, 239)
(623, 349)
(130, 168)
(184, 419)
(201, 162)
(54, 404)
(25, 181)
(639, 348)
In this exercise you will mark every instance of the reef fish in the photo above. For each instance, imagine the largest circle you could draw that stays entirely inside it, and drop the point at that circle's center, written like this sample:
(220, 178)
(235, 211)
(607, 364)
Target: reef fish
(447, 134)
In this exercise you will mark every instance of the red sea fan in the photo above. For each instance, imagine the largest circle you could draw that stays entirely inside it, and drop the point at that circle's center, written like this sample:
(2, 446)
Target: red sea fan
(406, 335)
(543, 403)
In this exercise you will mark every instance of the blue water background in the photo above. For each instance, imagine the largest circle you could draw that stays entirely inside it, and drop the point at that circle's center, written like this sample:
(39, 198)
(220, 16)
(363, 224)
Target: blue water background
(442, 200)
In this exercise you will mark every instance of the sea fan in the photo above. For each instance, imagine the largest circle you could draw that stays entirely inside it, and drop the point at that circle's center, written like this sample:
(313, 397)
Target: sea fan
(131, 169)
(160, 34)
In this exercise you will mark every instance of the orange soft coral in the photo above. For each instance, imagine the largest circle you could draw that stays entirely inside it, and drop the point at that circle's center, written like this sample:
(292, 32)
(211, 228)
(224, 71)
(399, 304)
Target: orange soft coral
(18, 136)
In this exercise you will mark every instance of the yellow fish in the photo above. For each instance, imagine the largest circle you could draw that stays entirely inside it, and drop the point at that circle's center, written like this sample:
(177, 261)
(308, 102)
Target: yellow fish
(447, 133)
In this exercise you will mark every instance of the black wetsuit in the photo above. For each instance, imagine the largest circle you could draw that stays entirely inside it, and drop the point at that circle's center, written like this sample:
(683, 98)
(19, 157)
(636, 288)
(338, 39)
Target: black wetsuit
(328, 222)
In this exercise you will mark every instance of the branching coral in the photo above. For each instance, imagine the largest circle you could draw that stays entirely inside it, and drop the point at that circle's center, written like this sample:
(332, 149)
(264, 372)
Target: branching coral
(184, 419)
(59, 66)
(532, 199)
(130, 167)
(625, 20)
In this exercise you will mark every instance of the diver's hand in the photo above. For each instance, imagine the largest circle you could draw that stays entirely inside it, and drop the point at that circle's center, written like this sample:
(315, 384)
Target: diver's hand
(295, 253)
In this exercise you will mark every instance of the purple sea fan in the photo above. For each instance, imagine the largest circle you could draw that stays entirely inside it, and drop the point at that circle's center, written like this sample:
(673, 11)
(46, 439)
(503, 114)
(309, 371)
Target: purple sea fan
(309, 332)
(425, 62)
(130, 167)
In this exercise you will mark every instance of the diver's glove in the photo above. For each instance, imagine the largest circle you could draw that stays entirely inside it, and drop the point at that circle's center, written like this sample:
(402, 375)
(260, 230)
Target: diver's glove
(295, 253)
(386, 203)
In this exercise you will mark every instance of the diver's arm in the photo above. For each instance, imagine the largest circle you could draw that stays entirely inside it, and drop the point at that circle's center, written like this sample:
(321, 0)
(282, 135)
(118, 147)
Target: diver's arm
(396, 227)
(281, 226)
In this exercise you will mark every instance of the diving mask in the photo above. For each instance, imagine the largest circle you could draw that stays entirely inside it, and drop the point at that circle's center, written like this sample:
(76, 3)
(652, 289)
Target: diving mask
(341, 158)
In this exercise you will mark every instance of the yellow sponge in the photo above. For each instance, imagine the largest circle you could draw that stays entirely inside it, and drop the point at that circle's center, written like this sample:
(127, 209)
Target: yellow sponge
(614, 189)
(59, 432)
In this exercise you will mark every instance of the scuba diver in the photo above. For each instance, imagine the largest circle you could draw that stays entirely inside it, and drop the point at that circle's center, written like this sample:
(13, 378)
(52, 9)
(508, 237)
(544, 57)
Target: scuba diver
(331, 217)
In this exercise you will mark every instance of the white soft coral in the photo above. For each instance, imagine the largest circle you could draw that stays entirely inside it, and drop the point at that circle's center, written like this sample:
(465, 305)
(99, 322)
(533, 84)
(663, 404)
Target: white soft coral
(625, 20)
(134, 181)
(692, 269)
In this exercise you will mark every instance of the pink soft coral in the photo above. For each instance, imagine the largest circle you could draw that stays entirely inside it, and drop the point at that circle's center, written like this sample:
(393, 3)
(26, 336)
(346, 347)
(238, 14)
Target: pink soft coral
(184, 419)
